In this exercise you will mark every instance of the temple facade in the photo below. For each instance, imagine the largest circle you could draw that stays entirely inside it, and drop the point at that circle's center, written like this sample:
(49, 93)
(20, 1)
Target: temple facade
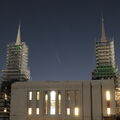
(61, 100)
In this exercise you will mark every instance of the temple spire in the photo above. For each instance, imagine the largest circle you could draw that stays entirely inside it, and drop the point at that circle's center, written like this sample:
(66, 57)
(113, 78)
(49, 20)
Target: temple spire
(103, 35)
(18, 40)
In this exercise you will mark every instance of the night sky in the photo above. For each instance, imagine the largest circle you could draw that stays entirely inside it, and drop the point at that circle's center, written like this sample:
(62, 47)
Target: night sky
(61, 34)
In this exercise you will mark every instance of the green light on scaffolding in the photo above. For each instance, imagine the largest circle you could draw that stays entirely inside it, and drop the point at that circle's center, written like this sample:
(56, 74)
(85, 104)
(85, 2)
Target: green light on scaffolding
(18, 46)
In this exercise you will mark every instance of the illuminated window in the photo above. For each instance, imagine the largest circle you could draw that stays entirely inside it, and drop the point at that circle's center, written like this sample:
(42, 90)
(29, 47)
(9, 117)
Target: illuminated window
(107, 95)
(38, 95)
(5, 96)
(52, 102)
(68, 111)
(30, 95)
(5, 109)
(46, 103)
(37, 111)
(59, 103)
(76, 111)
(29, 111)
(108, 111)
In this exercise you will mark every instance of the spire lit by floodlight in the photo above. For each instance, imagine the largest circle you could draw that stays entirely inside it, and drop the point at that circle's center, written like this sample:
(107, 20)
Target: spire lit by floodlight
(18, 40)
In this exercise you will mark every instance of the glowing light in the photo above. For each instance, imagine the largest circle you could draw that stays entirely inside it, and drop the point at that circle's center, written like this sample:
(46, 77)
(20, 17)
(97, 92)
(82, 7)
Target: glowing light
(38, 95)
(59, 103)
(5, 109)
(52, 95)
(30, 95)
(46, 97)
(6, 97)
(108, 111)
(37, 111)
(46, 103)
(59, 97)
(68, 111)
(52, 102)
(107, 95)
(29, 111)
(76, 110)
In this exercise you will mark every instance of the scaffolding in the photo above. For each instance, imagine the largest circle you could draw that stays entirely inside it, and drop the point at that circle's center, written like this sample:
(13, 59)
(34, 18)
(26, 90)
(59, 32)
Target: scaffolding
(16, 71)
(104, 72)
